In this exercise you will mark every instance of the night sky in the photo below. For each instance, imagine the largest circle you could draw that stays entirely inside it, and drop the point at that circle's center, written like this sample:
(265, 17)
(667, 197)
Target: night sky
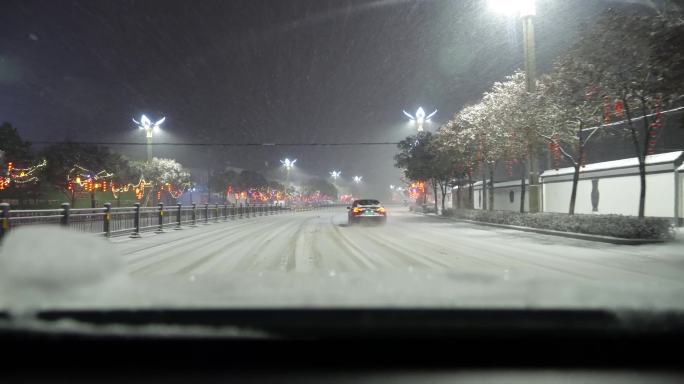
(260, 71)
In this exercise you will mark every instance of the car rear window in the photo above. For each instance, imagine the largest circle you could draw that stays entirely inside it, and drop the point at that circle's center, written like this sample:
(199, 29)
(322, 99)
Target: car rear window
(366, 202)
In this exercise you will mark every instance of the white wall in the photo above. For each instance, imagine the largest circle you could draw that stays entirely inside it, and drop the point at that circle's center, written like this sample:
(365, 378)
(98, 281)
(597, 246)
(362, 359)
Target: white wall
(478, 197)
(619, 195)
(556, 196)
(448, 200)
(502, 200)
(681, 195)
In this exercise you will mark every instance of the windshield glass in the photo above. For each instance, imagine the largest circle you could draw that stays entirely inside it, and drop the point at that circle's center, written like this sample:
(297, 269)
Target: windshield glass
(525, 154)
(366, 202)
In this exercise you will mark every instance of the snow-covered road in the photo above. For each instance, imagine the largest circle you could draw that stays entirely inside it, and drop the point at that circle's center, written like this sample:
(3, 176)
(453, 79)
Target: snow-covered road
(321, 241)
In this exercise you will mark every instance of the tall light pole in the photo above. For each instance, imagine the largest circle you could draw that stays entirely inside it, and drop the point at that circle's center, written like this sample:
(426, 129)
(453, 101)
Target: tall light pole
(357, 180)
(420, 118)
(335, 175)
(526, 10)
(527, 14)
(288, 164)
(150, 128)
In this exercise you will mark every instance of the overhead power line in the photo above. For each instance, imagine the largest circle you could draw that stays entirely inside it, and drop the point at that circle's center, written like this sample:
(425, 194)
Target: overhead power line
(106, 143)
(621, 122)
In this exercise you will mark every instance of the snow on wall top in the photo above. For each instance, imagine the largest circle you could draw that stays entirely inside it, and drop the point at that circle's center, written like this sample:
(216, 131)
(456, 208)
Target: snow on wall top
(669, 157)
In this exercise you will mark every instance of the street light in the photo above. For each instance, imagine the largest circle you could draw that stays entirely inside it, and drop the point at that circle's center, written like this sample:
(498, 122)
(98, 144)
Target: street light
(526, 10)
(419, 118)
(357, 179)
(392, 187)
(288, 164)
(335, 174)
(520, 7)
(149, 127)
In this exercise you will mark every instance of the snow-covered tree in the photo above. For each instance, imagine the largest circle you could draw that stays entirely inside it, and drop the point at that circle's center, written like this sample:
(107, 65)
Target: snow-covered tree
(162, 173)
(569, 115)
(490, 136)
(415, 157)
(513, 113)
(635, 62)
(456, 144)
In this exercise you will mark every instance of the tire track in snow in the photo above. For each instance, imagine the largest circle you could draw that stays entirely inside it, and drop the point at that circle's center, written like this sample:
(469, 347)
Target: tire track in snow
(191, 247)
(247, 253)
(305, 253)
(222, 252)
(261, 259)
(355, 253)
(328, 255)
(191, 235)
(396, 253)
(195, 247)
(426, 242)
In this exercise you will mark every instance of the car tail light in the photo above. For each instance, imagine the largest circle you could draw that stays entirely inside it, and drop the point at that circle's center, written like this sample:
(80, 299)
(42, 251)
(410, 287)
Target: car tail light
(357, 210)
(381, 210)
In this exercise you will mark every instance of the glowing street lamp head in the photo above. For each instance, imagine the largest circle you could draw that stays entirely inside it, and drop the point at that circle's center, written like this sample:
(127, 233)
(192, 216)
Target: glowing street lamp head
(146, 124)
(420, 118)
(392, 187)
(288, 164)
(335, 174)
(522, 8)
(357, 179)
(420, 115)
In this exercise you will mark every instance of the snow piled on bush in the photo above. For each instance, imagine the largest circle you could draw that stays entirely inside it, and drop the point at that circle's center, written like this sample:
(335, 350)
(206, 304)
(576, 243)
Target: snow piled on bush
(628, 227)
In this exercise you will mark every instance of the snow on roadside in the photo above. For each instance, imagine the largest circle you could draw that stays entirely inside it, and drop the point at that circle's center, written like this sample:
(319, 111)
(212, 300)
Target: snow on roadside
(43, 266)
(54, 268)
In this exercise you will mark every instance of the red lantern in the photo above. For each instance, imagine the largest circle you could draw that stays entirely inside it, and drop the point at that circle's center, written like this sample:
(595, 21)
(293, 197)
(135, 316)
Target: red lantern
(619, 109)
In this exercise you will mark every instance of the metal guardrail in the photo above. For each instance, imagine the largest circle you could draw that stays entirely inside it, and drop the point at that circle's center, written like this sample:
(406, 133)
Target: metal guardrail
(132, 221)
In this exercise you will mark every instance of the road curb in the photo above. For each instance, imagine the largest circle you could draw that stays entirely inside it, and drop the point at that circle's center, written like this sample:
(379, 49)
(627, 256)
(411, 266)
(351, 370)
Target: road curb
(572, 235)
